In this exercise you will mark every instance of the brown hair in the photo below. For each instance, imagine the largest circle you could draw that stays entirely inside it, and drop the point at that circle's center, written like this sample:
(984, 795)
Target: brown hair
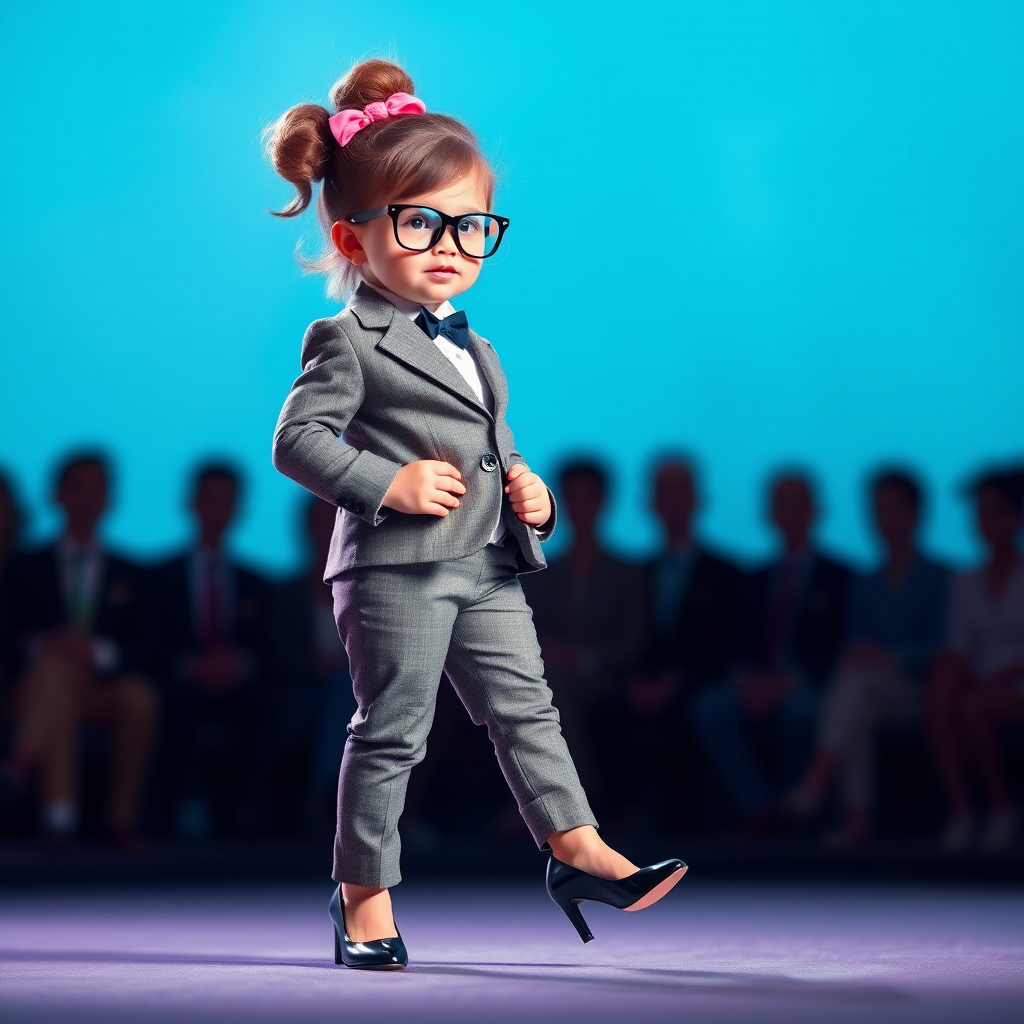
(386, 161)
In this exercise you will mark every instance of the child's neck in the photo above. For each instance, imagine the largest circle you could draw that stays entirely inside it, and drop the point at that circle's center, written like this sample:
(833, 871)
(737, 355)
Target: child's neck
(403, 303)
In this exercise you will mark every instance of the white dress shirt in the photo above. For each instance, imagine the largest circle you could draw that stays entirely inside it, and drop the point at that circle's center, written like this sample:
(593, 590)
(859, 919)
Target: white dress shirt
(462, 359)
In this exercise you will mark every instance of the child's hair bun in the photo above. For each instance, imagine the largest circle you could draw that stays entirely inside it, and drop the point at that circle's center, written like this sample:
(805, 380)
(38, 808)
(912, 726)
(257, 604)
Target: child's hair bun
(299, 144)
(371, 81)
(386, 160)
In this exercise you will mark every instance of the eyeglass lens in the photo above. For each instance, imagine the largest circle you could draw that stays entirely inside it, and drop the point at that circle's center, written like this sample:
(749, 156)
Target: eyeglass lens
(418, 227)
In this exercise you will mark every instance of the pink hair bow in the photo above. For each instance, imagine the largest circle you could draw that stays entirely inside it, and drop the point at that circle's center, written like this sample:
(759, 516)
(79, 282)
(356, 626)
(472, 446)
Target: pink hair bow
(345, 123)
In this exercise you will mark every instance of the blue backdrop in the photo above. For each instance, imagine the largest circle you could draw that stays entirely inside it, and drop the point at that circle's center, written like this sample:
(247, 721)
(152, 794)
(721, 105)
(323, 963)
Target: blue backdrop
(762, 231)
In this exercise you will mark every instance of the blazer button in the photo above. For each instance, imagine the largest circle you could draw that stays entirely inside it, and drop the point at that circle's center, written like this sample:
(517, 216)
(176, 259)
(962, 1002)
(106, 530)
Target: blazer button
(488, 463)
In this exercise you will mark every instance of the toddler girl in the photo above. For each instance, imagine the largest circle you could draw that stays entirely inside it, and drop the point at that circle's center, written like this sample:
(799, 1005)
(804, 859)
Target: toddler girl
(398, 418)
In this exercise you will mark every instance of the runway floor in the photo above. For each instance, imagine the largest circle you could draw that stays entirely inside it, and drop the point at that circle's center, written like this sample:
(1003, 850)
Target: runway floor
(722, 952)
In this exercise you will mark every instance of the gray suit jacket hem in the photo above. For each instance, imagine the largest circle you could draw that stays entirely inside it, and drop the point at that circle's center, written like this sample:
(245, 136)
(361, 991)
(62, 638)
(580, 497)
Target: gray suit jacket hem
(375, 394)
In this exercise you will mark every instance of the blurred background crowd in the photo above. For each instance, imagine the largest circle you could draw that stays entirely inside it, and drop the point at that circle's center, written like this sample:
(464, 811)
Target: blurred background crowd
(195, 699)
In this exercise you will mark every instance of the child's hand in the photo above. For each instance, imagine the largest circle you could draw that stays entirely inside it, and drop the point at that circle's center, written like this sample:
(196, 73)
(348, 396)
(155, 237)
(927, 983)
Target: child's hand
(425, 486)
(528, 495)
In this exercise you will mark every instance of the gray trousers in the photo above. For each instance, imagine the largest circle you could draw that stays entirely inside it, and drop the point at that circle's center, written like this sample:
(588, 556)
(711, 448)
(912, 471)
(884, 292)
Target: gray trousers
(402, 625)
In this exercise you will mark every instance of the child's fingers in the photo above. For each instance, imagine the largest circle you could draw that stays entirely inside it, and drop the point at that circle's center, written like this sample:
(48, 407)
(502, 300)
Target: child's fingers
(525, 492)
(521, 481)
(436, 509)
(446, 469)
(517, 470)
(529, 505)
(522, 495)
(450, 483)
(439, 497)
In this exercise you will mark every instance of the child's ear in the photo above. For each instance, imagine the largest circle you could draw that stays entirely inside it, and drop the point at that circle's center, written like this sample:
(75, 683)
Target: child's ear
(346, 241)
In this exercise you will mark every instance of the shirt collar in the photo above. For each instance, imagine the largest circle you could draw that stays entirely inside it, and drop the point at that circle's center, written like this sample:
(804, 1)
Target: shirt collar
(406, 306)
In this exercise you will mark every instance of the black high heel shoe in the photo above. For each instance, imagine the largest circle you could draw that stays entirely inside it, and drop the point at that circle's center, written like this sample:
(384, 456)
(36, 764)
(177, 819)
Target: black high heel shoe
(569, 886)
(379, 954)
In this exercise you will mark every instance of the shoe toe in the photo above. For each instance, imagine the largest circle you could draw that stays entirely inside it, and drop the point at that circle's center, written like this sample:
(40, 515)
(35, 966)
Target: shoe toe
(657, 880)
(378, 954)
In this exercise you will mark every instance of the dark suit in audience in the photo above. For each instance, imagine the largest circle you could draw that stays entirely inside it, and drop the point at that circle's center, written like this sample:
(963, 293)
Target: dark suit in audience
(77, 637)
(11, 524)
(789, 628)
(689, 595)
(588, 610)
(313, 700)
(792, 612)
(215, 636)
(691, 609)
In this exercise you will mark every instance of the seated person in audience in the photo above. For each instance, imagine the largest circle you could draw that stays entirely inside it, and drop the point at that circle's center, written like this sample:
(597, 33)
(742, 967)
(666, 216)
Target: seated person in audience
(690, 590)
(978, 683)
(789, 628)
(588, 610)
(895, 628)
(313, 700)
(689, 609)
(11, 522)
(214, 634)
(78, 620)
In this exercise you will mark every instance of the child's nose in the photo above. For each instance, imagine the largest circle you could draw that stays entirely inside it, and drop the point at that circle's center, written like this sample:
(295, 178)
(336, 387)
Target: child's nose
(446, 243)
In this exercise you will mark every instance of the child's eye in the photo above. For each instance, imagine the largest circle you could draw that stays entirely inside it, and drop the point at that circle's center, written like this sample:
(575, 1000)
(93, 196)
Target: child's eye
(468, 227)
(417, 223)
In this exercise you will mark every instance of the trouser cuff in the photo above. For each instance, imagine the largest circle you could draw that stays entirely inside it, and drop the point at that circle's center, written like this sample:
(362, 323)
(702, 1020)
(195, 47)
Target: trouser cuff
(555, 813)
(368, 871)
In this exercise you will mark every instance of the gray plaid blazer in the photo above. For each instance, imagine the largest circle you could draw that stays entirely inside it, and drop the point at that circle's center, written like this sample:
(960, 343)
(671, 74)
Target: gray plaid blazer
(374, 394)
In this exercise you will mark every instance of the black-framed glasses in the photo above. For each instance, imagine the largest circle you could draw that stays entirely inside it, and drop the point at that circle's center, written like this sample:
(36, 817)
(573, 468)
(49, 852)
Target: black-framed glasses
(417, 228)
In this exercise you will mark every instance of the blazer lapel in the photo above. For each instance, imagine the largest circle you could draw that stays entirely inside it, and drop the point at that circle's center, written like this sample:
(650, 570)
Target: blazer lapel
(404, 341)
(487, 359)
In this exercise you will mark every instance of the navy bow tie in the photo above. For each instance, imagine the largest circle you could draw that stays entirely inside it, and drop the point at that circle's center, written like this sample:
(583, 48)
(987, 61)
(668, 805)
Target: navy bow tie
(455, 327)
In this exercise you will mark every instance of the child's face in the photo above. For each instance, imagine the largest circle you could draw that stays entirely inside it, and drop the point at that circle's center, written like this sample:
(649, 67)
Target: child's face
(427, 278)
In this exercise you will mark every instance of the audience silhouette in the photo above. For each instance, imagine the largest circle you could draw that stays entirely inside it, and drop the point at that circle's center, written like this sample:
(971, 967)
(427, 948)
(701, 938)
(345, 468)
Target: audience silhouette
(588, 610)
(12, 521)
(79, 644)
(895, 628)
(689, 597)
(788, 631)
(695, 695)
(313, 696)
(213, 643)
(977, 686)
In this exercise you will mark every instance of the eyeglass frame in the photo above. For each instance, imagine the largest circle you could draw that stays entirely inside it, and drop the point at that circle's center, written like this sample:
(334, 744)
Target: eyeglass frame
(392, 210)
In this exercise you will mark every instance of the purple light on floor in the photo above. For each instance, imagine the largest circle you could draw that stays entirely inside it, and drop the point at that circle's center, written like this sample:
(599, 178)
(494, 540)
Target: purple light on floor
(722, 953)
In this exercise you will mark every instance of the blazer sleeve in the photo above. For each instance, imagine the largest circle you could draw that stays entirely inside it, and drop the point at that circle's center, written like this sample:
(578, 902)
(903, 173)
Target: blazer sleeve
(308, 444)
(544, 531)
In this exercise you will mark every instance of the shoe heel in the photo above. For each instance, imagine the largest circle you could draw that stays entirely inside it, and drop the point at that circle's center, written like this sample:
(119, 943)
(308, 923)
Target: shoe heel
(337, 947)
(572, 911)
